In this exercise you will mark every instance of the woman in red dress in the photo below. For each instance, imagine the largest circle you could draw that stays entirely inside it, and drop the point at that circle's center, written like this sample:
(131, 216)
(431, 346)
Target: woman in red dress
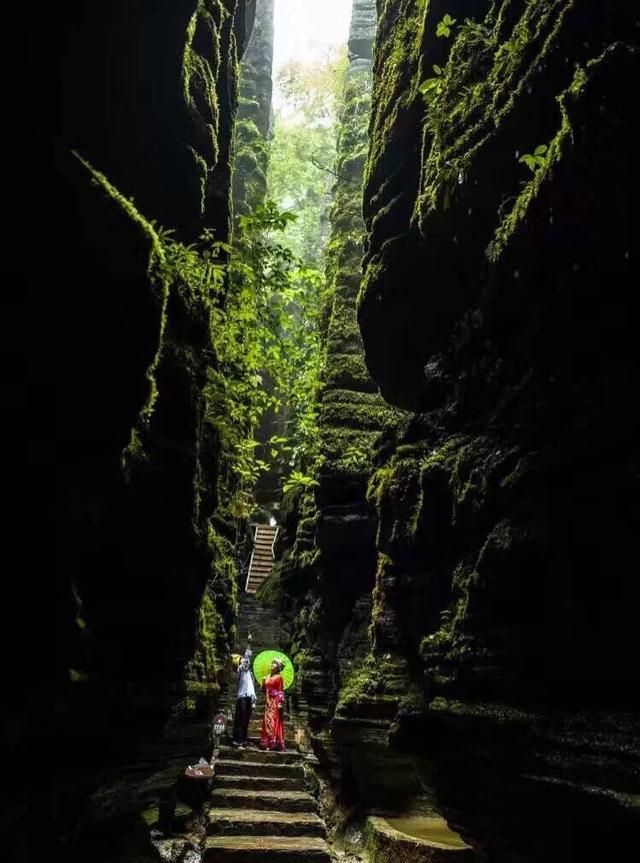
(272, 736)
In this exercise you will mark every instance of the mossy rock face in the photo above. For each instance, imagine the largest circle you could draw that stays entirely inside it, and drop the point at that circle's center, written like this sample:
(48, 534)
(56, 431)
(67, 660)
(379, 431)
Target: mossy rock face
(348, 371)
(332, 560)
(421, 839)
(498, 203)
(253, 129)
(513, 81)
(153, 134)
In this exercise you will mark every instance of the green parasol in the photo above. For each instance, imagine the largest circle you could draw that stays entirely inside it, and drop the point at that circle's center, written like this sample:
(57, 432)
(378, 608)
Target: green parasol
(262, 666)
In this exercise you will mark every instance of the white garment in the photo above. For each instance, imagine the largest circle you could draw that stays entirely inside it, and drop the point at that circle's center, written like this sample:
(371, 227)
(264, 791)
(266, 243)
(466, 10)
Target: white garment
(246, 688)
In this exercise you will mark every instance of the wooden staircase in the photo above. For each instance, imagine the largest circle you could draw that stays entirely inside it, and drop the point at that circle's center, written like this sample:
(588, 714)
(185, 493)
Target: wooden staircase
(264, 538)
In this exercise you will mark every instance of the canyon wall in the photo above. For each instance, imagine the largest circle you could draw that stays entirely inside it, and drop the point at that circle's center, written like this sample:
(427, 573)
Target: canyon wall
(498, 305)
(253, 135)
(477, 662)
(326, 573)
(133, 138)
(254, 121)
(328, 553)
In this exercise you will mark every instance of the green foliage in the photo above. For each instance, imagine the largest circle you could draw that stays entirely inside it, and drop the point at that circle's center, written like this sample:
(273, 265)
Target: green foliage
(356, 459)
(445, 26)
(299, 481)
(432, 87)
(303, 151)
(536, 160)
(264, 308)
(314, 90)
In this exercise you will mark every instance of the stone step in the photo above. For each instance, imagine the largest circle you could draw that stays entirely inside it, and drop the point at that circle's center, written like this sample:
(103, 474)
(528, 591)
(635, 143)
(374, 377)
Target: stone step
(254, 822)
(255, 736)
(254, 741)
(253, 755)
(266, 849)
(232, 767)
(282, 801)
(256, 717)
(260, 783)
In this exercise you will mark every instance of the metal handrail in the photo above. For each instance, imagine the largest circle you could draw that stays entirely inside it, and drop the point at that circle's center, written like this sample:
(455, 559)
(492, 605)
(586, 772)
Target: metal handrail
(255, 537)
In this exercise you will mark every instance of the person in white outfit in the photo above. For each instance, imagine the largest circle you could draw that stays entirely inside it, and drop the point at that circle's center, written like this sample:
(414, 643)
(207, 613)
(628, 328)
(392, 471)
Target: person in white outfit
(245, 699)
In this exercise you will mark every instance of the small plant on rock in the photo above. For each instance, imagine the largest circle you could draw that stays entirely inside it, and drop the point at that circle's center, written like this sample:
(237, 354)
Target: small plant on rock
(445, 26)
(536, 160)
(432, 87)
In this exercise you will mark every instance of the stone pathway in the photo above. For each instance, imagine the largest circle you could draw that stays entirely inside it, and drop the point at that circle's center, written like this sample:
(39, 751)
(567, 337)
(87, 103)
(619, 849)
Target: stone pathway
(261, 810)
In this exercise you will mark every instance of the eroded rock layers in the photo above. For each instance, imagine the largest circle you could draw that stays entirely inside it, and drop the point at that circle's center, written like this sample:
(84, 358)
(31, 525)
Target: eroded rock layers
(498, 304)
(254, 123)
(135, 139)
(487, 675)
(328, 534)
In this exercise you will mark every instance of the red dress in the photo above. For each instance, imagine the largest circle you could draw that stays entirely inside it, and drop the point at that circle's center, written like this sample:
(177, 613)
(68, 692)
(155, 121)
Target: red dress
(272, 736)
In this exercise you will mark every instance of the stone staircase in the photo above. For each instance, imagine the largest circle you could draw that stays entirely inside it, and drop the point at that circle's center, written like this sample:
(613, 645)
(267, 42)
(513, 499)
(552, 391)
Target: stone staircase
(262, 557)
(261, 811)
(264, 626)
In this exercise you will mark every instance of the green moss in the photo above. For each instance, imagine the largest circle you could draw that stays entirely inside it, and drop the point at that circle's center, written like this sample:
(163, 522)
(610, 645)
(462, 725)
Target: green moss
(202, 171)
(158, 285)
(199, 76)
(364, 411)
(347, 371)
(365, 682)
(250, 145)
(485, 77)
(398, 56)
(397, 488)
(270, 591)
(347, 451)
(557, 150)
(216, 619)
(343, 328)
(380, 680)
(151, 816)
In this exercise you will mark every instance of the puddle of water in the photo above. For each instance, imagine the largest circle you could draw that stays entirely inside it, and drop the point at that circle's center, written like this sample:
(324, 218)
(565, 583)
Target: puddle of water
(428, 829)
